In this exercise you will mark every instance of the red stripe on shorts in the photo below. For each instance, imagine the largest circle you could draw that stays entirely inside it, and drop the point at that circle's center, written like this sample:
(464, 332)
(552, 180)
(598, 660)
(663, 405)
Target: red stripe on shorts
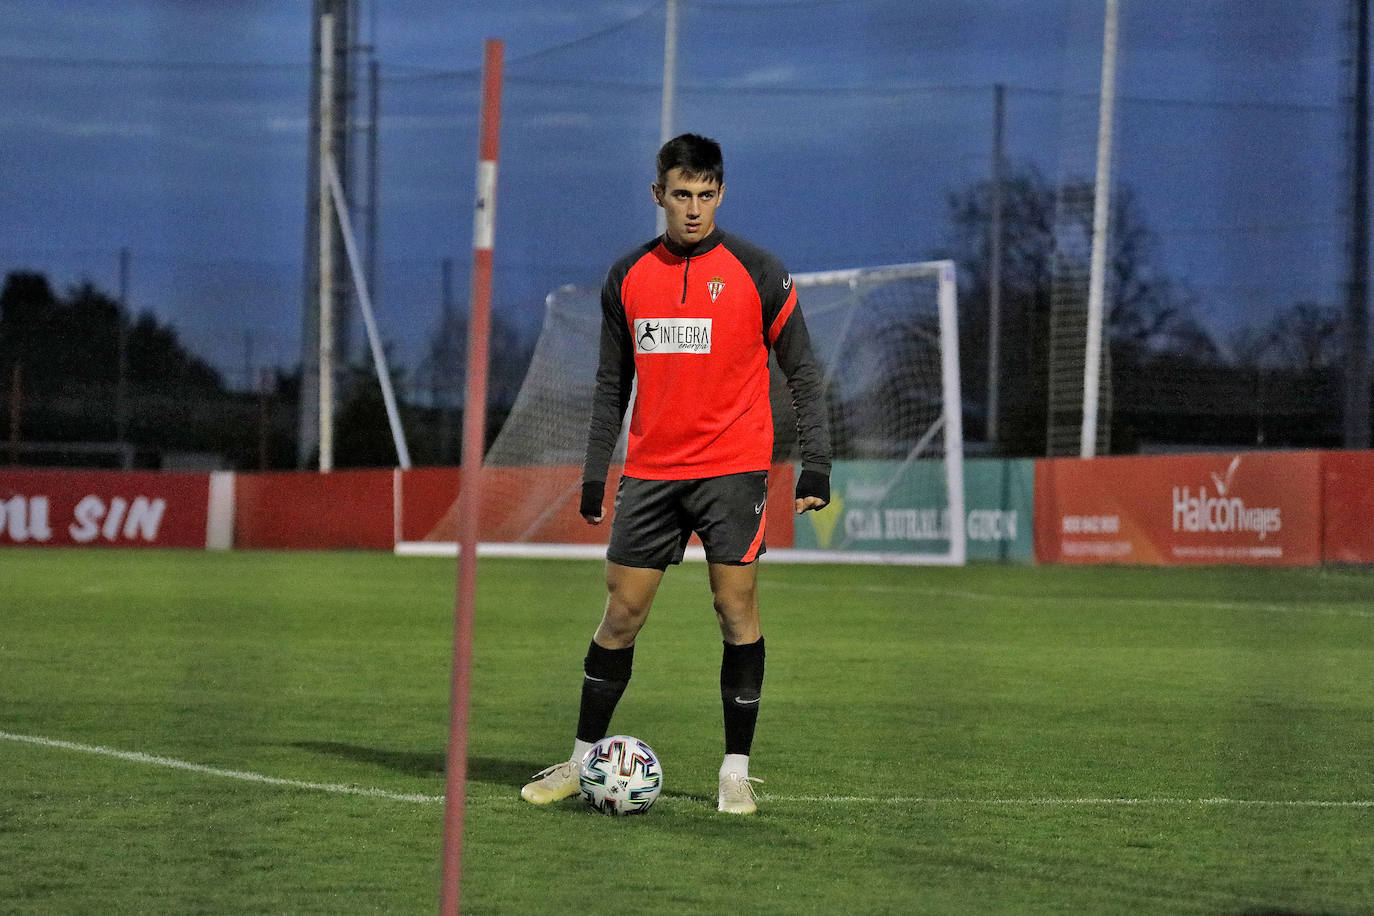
(753, 553)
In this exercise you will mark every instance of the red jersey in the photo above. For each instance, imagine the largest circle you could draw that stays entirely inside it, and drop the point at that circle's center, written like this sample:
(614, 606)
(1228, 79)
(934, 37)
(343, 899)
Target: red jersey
(693, 329)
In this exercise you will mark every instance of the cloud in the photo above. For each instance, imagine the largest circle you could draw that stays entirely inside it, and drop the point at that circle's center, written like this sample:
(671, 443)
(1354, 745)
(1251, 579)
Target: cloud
(80, 129)
(285, 125)
(764, 77)
(576, 120)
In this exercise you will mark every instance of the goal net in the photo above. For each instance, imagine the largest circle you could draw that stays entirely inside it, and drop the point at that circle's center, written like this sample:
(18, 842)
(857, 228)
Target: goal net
(886, 339)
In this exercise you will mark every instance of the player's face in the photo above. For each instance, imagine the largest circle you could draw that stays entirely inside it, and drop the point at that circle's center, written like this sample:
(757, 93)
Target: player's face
(690, 206)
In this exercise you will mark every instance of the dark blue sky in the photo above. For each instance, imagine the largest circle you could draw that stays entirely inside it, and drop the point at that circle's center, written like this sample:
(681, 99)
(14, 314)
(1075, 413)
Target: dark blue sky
(178, 130)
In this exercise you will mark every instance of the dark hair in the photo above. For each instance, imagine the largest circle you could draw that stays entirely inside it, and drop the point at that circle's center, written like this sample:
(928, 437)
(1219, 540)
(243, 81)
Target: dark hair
(698, 157)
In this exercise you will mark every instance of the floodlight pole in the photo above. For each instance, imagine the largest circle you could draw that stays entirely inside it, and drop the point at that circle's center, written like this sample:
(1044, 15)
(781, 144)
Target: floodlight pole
(16, 409)
(1097, 270)
(122, 356)
(665, 121)
(326, 220)
(470, 486)
(995, 266)
(1356, 415)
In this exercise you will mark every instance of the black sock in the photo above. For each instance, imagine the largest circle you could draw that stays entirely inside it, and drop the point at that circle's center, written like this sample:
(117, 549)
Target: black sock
(741, 686)
(606, 673)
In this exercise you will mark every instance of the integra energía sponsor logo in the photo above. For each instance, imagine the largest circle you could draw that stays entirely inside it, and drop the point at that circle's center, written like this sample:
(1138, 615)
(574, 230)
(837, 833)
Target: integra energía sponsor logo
(673, 335)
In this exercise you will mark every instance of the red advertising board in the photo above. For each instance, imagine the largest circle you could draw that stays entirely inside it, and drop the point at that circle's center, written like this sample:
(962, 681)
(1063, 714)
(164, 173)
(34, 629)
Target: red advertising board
(426, 495)
(509, 515)
(103, 509)
(305, 510)
(1260, 509)
(1348, 519)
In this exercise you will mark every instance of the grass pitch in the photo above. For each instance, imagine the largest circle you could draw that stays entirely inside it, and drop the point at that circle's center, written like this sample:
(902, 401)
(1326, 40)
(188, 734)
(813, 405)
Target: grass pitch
(264, 733)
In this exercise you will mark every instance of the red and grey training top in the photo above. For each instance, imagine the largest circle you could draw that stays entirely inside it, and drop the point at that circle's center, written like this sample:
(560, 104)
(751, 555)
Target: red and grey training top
(694, 328)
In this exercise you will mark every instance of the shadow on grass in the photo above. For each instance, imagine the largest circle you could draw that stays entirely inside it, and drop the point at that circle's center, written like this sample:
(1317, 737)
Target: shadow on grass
(423, 763)
(493, 770)
(411, 763)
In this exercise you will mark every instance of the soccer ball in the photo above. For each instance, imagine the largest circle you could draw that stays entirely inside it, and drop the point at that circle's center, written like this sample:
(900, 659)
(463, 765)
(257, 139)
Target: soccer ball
(620, 775)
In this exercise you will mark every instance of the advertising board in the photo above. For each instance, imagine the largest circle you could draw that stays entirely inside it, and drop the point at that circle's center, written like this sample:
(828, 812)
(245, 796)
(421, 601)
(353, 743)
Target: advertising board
(103, 508)
(1261, 508)
(899, 507)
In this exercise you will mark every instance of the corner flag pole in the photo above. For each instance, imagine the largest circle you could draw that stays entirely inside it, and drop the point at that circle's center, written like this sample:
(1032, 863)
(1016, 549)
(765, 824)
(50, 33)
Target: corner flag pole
(470, 486)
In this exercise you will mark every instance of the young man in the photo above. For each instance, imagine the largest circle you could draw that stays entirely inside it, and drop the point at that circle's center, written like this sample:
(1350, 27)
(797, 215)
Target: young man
(692, 317)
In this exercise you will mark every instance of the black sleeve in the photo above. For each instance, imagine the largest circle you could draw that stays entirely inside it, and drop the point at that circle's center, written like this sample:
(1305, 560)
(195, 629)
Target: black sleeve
(804, 382)
(614, 377)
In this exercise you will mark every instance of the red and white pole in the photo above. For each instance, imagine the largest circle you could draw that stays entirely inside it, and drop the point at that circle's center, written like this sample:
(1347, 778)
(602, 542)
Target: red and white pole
(470, 485)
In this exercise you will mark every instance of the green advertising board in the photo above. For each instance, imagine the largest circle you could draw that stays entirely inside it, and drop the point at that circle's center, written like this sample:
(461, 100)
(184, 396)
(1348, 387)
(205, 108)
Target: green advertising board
(889, 507)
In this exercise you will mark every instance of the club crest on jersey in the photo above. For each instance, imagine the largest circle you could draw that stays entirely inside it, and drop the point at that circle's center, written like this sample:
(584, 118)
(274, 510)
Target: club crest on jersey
(672, 335)
(715, 286)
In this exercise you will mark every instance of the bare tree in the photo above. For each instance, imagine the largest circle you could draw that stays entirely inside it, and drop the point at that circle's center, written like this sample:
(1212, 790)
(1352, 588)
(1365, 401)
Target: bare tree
(1150, 314)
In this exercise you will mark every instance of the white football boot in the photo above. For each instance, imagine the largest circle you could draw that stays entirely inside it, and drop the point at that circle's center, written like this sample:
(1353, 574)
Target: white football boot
(552, 784)
(736, 795)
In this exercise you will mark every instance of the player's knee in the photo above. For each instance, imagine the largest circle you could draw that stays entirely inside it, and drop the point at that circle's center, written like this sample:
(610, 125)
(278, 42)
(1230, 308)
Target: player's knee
(628, 599)
(622, 620)
(736, 603)
(618, 631)
(626, 612)
(739, 620)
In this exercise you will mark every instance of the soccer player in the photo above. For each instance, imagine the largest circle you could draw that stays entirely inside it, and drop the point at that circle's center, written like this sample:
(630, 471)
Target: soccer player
(691, 317)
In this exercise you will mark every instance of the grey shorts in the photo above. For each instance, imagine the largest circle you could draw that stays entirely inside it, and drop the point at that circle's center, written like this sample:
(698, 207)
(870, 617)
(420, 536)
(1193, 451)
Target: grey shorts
(655, 518)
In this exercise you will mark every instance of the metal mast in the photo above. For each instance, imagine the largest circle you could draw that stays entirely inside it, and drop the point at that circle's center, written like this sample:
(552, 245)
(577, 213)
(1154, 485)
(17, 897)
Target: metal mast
(666, 114)
(343, 35)
(1356, 422)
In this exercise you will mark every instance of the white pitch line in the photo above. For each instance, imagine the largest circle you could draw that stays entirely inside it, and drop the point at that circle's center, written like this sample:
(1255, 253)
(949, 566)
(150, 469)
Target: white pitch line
(174, 764)
(339, 789)
(1051, 802)
(1327, 609)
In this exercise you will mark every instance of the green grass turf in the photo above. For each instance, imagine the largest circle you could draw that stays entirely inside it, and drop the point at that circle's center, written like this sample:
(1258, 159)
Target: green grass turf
(979, 740)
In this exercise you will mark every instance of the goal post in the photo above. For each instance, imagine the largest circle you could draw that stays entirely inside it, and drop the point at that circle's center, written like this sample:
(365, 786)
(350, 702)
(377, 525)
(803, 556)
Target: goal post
(886, 338)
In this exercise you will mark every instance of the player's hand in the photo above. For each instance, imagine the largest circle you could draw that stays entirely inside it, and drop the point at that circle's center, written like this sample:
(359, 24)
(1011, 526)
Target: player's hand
(593, 492)
(813, 490)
